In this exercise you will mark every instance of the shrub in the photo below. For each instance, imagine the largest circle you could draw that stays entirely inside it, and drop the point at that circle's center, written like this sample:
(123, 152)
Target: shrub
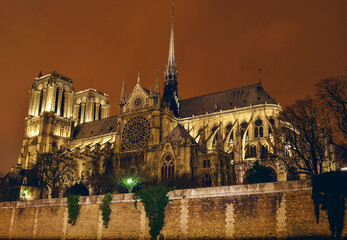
(78, 189)
(154, 200)
(106, 210)
(260, 174)
(73, 208)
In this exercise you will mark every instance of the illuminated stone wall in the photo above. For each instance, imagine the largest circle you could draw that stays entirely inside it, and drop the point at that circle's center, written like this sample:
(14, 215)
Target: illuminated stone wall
(278, 209)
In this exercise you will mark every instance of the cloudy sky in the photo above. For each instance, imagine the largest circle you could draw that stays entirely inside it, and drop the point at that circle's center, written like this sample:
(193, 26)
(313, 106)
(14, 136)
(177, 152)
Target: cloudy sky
(219, 45)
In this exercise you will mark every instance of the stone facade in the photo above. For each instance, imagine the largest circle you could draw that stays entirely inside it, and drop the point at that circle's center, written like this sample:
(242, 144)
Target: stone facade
(276, 210)
(209, 139)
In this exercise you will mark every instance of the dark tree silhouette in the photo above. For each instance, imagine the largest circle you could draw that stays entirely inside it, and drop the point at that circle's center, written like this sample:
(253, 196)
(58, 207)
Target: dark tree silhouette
(332, 93)
(78, 189)
(100, 172)
(303, 138)
(329, 191)
(9, 191)
(54, 170)
(260, 174)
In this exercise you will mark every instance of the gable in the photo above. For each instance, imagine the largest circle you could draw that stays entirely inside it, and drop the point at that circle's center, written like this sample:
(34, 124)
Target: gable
(138, 99)
(178, 134)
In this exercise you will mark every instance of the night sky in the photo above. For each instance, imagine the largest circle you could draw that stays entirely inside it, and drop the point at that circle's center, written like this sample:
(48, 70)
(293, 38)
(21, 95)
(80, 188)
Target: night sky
(219, 45)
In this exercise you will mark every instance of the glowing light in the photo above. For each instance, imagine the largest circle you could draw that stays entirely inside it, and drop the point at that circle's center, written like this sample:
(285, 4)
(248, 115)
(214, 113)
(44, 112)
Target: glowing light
(33, 132)
(25, 194)
(129, 181)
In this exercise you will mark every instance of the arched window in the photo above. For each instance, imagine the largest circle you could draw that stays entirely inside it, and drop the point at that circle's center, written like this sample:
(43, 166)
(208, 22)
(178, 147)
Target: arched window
(243, 128)
(272, 121)
(264, 149)
(99, 112)
(206, 163)
(168, 168)
(206, 180)
(258, 128)
(253, 151)
(227, 130)
(94, 111)
(40, 104)
(56, 99)
(80, 113)
(62, 105)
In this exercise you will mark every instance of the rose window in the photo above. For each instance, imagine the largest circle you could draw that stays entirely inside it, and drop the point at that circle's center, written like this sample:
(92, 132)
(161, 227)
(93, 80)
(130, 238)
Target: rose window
(135, 133)
(138, 101)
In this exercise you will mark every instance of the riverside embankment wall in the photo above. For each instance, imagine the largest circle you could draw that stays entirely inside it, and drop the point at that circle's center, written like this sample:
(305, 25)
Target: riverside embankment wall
(281, 209)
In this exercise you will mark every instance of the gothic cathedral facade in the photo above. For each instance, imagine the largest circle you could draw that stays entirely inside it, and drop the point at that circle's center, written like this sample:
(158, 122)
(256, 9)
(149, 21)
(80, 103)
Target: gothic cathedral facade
(210, 138)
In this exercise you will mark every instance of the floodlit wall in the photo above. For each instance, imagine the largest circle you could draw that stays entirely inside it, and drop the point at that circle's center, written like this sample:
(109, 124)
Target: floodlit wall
(279, 209)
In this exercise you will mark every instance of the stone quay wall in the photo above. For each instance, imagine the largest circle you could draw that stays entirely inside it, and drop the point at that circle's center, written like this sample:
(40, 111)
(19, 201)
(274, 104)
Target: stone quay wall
(267, 210)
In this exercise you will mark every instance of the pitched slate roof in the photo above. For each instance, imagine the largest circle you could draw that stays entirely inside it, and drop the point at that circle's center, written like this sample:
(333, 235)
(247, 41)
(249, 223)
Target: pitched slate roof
(224, 100)
(177, 134)
(96, 128)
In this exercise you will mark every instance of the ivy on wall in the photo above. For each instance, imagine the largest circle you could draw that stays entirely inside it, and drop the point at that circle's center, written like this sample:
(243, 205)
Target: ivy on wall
(329, 191)
(73, 208)
(154, 200)
(106, 210)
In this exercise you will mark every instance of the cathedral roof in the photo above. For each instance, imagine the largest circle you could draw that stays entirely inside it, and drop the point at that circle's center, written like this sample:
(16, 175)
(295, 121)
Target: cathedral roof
(55, 74)
(95, 128)
(178, 134)
(92, 90)
(234, 98)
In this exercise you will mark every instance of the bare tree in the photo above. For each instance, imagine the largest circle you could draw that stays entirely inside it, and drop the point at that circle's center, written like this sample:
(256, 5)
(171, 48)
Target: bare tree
(54, 170)
(100, 169)
(303, 138)
(332, 93)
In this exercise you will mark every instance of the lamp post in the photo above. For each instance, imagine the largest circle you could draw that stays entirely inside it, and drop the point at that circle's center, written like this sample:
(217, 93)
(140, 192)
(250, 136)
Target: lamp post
(130, 182)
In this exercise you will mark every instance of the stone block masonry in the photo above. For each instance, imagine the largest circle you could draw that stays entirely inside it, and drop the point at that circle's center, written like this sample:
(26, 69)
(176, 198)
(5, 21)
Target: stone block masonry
(267, 210)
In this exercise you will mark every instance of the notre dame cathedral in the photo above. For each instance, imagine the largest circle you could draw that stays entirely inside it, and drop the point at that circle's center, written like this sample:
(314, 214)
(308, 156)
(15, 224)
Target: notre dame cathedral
(211, 138)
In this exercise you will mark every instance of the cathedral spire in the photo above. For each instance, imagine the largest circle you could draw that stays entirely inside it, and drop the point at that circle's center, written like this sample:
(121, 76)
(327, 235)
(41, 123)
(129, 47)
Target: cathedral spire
(170, 95)
(138, 77)
(171, 68)
(123, 93)
(156, 84)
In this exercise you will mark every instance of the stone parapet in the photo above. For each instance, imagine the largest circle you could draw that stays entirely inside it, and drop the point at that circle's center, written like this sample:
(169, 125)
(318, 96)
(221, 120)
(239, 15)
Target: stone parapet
(267, 210)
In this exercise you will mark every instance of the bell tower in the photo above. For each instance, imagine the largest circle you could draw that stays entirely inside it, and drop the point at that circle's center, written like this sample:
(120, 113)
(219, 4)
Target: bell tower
(50, 117)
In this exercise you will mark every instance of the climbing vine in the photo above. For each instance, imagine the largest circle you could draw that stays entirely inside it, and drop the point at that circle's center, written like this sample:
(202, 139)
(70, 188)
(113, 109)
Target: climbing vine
(73, 208)
(329, 191)
(154, 200)
(106, 210)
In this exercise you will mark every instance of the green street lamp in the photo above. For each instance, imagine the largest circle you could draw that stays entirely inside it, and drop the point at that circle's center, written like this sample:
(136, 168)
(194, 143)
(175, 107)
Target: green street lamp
(25, 194)
(130, 182)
